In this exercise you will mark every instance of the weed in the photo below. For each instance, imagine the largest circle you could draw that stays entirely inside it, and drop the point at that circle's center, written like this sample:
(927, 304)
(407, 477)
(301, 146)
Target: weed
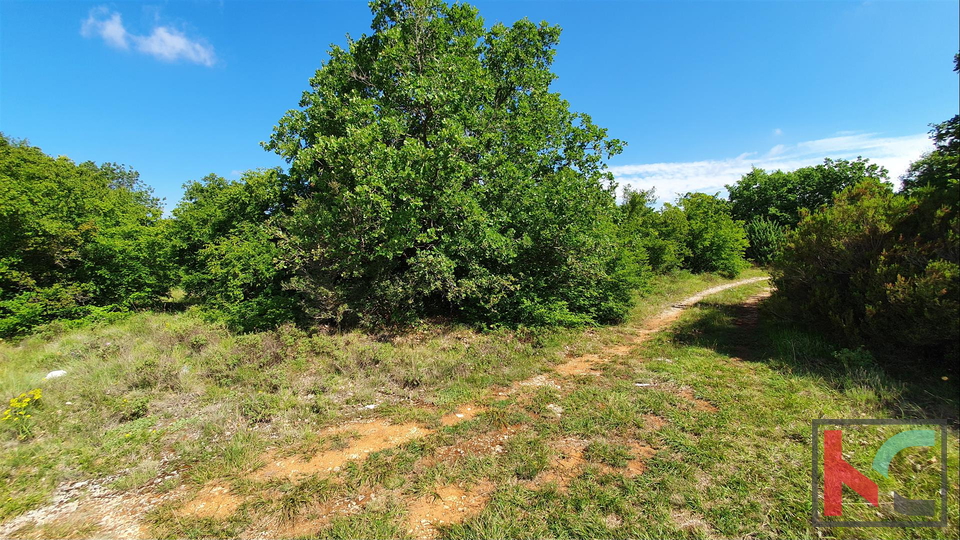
(615, 455)
(19, 413)
(295, 497)
(259, 408)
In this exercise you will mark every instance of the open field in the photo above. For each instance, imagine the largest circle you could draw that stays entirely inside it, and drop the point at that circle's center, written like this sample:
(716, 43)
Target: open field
(690, 420)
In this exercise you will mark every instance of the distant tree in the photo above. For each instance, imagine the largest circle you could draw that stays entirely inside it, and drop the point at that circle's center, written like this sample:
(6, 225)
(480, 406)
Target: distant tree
(446, 178)
(715, 242)
(937, 170)
(662, 235)
(779, 196)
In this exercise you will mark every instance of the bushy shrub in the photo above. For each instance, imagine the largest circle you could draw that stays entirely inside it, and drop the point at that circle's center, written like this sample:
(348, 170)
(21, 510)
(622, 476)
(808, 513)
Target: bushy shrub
(225, 241)
(880, 270)
(661, 235)
(74, 239)
(766, 240)
(716, 242)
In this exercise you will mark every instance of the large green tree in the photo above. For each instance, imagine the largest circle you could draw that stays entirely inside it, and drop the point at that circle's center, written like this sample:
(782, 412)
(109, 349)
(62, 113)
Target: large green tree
(446, 178)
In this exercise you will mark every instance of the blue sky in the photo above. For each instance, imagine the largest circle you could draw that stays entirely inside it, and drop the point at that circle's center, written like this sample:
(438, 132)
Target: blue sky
(701, 91)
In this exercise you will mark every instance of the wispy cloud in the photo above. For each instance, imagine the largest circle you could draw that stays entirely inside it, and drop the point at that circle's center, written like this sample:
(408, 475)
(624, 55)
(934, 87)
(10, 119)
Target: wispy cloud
(710, 176)
(163, 42)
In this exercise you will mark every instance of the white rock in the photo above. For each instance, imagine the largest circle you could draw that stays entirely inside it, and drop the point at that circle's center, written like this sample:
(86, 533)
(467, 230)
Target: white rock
(371, 406)
(642, 384)
(55, 374)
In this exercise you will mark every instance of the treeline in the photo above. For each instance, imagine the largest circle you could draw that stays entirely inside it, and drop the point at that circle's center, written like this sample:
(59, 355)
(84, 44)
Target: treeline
(432, 173)
(76, 241)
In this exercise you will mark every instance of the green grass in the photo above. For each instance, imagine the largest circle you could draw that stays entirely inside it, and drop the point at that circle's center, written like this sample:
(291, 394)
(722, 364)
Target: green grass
(156, 393)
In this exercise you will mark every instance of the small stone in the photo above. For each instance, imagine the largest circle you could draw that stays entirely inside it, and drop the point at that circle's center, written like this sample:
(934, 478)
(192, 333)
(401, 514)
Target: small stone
(55, 374)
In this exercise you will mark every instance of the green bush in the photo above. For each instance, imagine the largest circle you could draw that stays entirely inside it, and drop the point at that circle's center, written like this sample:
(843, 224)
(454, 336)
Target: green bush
(766, 240)
(716, 242)
(74, 239)
(658, 236)
(880, 270)
(226, 244)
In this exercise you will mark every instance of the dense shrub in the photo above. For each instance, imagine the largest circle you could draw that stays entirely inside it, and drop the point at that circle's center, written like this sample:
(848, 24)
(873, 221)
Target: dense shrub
(224, 239)
(715, 242)
(827, 265)
(75, 240)
(446, 178)
(880, 269)
(766, 239)
(661, 235)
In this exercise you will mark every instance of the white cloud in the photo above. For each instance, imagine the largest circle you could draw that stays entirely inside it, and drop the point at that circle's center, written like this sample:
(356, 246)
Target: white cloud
(107, 25)
(778, 132)
(710, 176)
(170, 44)
(163, 42)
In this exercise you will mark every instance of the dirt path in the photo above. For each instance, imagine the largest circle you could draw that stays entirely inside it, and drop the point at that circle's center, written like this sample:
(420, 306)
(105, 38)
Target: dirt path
(588, 363)
(110, 513)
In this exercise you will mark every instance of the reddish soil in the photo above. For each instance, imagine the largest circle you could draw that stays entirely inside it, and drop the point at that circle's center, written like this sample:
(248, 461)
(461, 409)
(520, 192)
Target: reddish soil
(370, 436)
(212, 501)
(447, 504)
(462, 414)
(698, 404)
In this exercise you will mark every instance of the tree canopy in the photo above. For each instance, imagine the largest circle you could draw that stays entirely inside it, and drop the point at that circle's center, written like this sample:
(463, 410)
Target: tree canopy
(444, 176)
(779, 196)
(74, 237)
(224, 238)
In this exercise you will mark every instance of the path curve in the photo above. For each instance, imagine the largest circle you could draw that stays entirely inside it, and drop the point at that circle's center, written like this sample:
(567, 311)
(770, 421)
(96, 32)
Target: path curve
(671, 313)
(588, 364)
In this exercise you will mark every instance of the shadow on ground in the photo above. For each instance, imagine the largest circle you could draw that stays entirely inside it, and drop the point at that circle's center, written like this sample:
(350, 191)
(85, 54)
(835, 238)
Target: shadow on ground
(754, 332)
